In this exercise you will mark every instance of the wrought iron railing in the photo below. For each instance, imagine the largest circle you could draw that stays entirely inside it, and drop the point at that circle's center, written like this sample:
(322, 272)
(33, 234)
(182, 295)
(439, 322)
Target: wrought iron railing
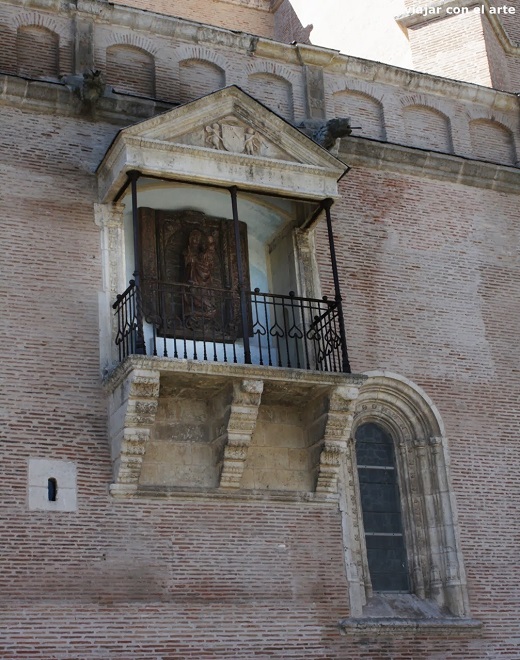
(185, 321)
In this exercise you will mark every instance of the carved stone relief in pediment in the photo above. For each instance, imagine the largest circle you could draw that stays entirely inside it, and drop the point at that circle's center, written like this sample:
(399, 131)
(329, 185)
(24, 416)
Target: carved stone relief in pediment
(234, 136)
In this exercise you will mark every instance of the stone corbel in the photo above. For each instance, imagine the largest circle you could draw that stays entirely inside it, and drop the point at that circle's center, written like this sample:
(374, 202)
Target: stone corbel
(337, 431)
(240, 428)
(133, 407)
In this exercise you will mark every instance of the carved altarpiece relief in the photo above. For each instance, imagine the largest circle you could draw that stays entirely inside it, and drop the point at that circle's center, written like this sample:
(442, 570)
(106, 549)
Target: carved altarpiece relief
(189, 274)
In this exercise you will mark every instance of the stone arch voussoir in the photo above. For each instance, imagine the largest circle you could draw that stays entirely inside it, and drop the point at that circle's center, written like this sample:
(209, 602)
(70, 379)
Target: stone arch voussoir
(188, 52)
(273, 69)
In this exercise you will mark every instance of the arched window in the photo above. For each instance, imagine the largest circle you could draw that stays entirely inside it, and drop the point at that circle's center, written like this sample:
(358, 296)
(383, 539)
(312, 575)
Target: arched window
(381, 509)
(400, 518)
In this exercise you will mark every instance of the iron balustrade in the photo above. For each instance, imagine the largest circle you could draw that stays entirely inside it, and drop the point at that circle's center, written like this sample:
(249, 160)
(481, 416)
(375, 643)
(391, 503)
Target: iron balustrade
(185, 321)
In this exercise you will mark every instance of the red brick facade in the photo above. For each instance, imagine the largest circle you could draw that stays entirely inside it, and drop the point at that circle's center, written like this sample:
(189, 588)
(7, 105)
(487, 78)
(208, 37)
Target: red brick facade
(428, 263)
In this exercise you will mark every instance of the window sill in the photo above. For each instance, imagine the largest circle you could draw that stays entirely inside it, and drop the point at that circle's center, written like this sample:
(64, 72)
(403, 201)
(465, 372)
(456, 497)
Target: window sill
(385, 612)
(385, 625)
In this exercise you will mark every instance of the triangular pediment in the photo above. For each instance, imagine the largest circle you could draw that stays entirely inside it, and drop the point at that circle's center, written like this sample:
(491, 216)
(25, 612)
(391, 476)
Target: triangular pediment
(222, 138)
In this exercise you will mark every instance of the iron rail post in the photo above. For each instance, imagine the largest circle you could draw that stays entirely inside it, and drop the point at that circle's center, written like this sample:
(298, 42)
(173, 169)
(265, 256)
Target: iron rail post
(242, 292)
(140, 346)
(327, 203)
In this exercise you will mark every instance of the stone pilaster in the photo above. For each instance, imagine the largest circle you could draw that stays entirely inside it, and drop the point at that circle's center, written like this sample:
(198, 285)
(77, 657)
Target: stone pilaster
(315, 92)
(240, 428)
(337, 431)
(109, 218)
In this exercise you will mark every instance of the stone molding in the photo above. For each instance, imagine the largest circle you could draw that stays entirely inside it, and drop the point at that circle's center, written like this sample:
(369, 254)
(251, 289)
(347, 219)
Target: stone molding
(337, 431)
(430, 520)
(224, 494)
(385, 626)
(364, 152)
(235, 371)
(240, 428)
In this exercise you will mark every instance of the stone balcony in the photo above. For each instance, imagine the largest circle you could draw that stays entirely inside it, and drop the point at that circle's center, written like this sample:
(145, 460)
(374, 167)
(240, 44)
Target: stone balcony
(180, 427)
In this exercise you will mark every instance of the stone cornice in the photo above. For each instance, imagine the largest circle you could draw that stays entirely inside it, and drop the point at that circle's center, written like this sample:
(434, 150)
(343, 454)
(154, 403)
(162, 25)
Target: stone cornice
(414, 20)
(332, 61)
(327, 500)
(335, 63)
(362, 152)
(238, 371)
(164, 26)
(62, 99)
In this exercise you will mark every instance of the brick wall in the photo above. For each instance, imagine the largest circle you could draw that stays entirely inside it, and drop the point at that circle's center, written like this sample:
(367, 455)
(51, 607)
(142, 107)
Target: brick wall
(253, 17)
(453, 47)
(287, 25)
(430, 282)
(510, 22)
(215, 577)
(430, 276)
(498, 60)
(130, 69)
(467, 46)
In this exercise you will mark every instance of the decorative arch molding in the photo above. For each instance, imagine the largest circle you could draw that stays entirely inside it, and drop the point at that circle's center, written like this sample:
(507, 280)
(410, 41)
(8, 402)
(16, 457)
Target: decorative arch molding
(336, 85)
(189, 52)
(440, 138)
(273, 85)
(129, 39)
(37, 52)
(35, 19)
(408, 410)
(273, 69)
(409, 416)
(423, 100)
(198, 78)
(497, 117)
(502, 149)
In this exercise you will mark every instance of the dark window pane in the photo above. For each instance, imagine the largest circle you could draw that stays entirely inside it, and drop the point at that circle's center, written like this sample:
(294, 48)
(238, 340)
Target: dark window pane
(397, 581)
(387, 563)
(372, 453)
(387, 523)
(372, 433)
(380, 497)
(381, 507)
(369, 475)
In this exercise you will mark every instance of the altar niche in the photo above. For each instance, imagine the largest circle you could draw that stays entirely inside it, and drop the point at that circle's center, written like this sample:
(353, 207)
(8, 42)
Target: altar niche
(189, 275)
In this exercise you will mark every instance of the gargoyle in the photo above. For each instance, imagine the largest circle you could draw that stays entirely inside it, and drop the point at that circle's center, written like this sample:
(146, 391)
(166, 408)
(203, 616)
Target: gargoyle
(93, 86)
(326, 133)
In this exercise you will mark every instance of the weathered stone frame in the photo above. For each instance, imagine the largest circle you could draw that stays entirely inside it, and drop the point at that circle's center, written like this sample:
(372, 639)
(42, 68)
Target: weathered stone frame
(430, 523)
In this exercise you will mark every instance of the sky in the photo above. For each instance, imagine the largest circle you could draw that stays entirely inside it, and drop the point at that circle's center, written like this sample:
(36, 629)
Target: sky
(364, 28)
